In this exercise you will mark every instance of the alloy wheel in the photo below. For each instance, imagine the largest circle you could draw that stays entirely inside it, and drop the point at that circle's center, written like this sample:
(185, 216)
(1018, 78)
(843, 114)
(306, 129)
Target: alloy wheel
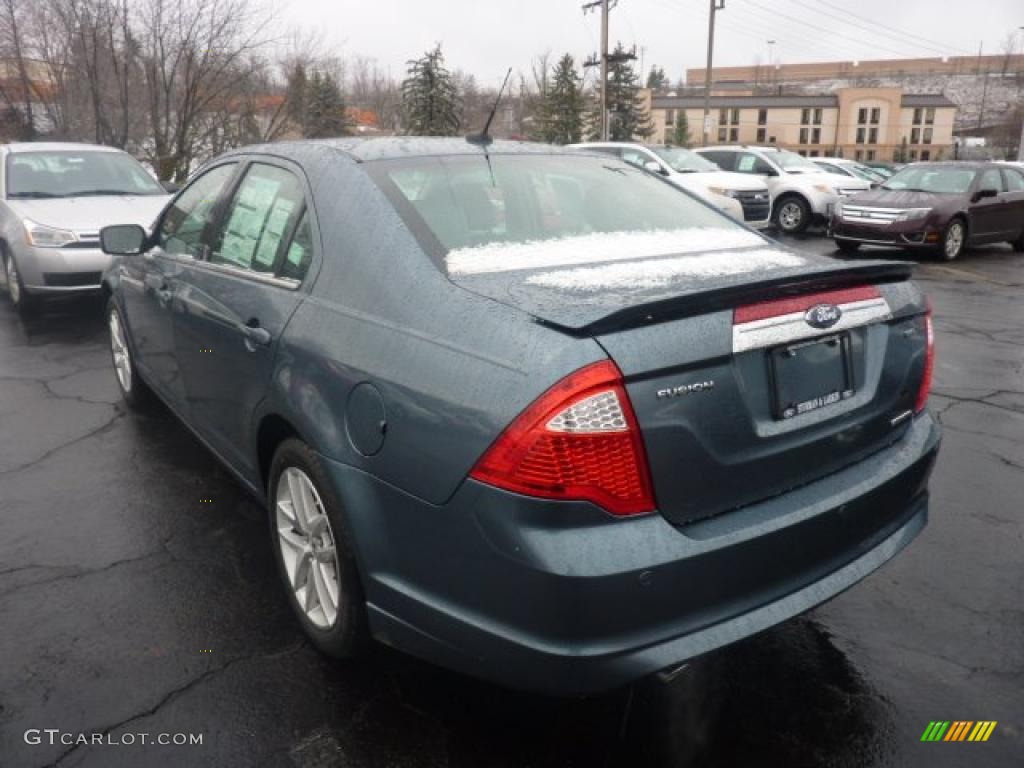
(119, 349)
(308, 548)
(13, 284)
(954, 240)
(790, 216)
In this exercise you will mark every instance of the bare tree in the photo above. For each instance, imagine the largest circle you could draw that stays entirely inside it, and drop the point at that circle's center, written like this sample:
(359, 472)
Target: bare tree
(19, 97)
(196, 54)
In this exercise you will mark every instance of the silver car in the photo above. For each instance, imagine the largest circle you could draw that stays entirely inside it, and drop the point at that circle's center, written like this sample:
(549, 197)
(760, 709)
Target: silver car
(54, 199)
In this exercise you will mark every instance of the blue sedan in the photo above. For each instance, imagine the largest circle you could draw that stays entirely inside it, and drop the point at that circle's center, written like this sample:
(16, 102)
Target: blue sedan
(530, 413)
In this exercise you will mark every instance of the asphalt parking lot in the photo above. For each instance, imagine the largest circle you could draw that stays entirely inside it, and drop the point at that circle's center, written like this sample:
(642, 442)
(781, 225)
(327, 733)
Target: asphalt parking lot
(137, 595)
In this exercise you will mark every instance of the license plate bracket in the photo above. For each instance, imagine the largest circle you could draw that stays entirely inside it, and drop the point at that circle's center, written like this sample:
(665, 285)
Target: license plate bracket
(810, 375)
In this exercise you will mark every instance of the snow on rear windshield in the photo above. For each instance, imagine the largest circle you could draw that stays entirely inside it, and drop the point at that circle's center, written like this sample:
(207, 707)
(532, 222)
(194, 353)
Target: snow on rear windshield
(594, 248)
(655, 273)
(523, 211)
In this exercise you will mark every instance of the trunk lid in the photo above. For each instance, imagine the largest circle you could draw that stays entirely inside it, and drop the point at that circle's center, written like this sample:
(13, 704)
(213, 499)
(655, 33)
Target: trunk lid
(708, 343)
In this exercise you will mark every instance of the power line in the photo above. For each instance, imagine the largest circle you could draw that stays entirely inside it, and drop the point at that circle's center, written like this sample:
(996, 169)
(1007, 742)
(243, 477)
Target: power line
(904, 32)
(875, 29)
(772, 13)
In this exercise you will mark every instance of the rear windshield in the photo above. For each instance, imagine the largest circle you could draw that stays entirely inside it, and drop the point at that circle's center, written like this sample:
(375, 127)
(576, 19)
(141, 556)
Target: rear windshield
(929, 178)
(77, 174)
(524, 211)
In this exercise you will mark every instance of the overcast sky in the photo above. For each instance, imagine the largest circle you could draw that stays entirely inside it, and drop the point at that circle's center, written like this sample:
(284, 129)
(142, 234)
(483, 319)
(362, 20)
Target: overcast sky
(485, 37)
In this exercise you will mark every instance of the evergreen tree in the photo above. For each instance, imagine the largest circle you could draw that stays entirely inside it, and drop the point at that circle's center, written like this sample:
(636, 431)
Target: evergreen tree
(324, 108)
(430, 100)
(657, 79)
(295, 93)
(563, 106)
(628, 118)
(681, 135)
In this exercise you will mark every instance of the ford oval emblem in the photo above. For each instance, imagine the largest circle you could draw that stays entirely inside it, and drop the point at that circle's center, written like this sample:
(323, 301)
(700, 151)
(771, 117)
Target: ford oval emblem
(823, 315)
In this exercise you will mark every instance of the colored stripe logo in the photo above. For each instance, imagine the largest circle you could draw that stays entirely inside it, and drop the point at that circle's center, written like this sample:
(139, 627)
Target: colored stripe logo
(958, 730)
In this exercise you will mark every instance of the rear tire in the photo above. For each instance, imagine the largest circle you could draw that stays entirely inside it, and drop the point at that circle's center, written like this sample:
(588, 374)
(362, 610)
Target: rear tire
(953, 239)
(314, 557)
(848, 246)
(136, 393)
(22, 300)
(792, 214)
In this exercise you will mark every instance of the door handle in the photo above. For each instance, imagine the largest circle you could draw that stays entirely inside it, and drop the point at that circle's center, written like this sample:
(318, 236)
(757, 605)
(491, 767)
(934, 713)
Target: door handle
(254, 335)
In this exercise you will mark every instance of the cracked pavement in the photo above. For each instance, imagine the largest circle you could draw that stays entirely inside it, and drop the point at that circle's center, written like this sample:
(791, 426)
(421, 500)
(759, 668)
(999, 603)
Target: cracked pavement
(128, 606)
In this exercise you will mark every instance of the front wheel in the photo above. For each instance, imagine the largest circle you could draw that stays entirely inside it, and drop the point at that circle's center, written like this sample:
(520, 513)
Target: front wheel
(313, 556)
(792, 215)
(953, 240)
(20, 298)
(134, 390)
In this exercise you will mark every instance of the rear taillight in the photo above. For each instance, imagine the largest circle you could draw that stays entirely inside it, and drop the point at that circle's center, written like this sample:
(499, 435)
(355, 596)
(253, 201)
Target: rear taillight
(579, 440)
(929, 363)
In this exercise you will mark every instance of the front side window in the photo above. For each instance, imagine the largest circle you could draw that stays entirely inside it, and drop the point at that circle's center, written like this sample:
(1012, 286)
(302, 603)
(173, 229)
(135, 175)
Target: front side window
(750, 163)
(183, 225)
(88, 173)
(991, 179)
(262, 212)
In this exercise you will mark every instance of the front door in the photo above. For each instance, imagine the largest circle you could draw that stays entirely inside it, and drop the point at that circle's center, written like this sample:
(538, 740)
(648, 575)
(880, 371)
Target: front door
(149, 280)
(235, 304)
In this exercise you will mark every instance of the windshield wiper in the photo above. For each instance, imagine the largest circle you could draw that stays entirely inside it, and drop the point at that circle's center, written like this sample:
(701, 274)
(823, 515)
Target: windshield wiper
(99, 192)
(32, 195)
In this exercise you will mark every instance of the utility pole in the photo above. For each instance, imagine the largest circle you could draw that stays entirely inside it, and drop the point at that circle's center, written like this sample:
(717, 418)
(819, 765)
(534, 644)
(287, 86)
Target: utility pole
(984, 91)
(716, 5)
(605, 6)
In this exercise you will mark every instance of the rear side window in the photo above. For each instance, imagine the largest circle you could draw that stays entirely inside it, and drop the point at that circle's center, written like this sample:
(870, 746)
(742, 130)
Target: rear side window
(262, 213)
(182, 227)
(1014, 180)
(300, 251)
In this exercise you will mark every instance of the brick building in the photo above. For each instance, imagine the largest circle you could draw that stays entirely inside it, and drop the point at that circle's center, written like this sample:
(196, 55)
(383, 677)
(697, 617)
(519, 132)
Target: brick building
(859, 123)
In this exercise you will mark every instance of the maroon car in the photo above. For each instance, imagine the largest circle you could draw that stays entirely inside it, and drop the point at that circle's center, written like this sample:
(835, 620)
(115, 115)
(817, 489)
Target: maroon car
(936, 206)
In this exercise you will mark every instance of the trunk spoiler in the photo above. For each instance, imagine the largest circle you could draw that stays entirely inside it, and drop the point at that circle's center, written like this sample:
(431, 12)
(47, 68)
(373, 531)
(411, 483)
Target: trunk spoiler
(715, 298)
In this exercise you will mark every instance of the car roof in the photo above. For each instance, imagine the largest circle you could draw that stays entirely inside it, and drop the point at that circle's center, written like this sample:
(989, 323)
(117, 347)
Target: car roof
(22, 147)
(740, 148)
(363, 150)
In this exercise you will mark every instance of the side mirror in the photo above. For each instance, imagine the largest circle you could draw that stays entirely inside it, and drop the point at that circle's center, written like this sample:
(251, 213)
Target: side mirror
(122, 239)
(170, 186)
(654, 167)
(981, 194)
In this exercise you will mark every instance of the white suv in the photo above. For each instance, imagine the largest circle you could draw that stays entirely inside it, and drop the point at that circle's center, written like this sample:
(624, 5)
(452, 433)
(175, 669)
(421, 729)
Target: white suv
(802, 193)
(740, 196)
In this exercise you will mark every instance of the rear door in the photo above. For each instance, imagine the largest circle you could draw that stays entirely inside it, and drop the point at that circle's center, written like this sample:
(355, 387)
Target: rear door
(1015, 201)
(234, 304)
(149, 280)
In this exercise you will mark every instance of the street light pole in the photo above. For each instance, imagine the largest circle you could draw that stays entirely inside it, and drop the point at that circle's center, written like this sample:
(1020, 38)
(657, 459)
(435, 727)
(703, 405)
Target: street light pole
(716, 5)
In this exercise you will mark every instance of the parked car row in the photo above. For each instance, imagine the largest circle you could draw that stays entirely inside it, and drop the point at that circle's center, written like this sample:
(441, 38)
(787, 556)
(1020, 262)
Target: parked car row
(528, 412)
(941, 207)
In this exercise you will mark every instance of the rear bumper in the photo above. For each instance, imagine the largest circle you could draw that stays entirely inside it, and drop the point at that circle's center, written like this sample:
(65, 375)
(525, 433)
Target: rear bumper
(560, 598)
